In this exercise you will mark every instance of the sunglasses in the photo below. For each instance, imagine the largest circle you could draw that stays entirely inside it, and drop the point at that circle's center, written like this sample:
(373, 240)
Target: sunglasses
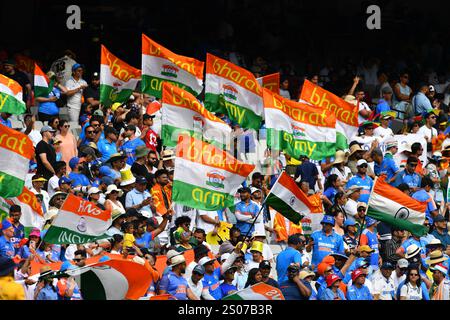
(414, 274)
(432, 117)
(77, 260)
(404, 269)
(363, 166)
(66, 126)
(95, 125)
(90, 132)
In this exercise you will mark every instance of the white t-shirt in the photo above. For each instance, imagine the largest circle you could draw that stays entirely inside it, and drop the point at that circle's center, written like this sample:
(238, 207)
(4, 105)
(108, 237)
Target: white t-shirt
(410, 292)
(362, 106)
(383, 133)
(351, 207)
(53, 183)
(383, 286)
(188, 273)
(397, 280)
(423, 130)
(74, 101)
(208, 227)
(344, 175)
(34, 135)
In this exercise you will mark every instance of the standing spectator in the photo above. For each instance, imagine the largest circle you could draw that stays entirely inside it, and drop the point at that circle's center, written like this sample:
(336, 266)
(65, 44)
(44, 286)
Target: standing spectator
(350, 236)
(53, 183)
(383, 131)
(139, 169)
(385, 103)
(151, 138)
(284, 88)
(45, 154)
(49, 105)
(361, 179)
(75, 86)
(38, 183)
(290, 255)
(92, 92)
(129, 147)
(11, 72)
(246, 212)
(332, 292)
(68, 142)
(308, 172)
(62, 67)
(162, 192)
(390, 248)
(403, 95)
(265, 268)
(353, 193)
(29, 129)
(369, 237)
(15, 212)
(364, 110)
(6, 240)
(428, 131)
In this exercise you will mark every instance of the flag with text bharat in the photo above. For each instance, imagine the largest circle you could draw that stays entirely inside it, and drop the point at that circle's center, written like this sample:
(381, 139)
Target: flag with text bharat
(271, 82)
(234, 91)
(346, 113)
(161, 65)
(42, 84)
(32, 214)
(287, 198)
(390, 205)
(11, 96)
(118, 79)
(16, 151)
(298, 128)
(206, 177)
(78, 221)
(259, 291)
(182, 113)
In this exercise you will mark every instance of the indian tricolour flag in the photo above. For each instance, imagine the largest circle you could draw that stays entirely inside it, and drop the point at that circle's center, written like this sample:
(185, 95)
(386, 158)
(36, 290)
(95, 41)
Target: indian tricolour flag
(42, 84)
(161, 65)
(5, 204)
(234, 91)
(298, 128)
(32, 214)
(183, 113)
(287, 198)
(271, 82)
(206, 177)
(11, 96)
(16, 151)
(118, 79)
(259, 291)
(346, 113)
(390, 205)
(78, 221)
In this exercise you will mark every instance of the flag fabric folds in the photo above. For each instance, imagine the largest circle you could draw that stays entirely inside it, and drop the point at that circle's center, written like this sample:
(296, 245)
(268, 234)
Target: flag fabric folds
(259, 291)
(42, 84)
(11, 96)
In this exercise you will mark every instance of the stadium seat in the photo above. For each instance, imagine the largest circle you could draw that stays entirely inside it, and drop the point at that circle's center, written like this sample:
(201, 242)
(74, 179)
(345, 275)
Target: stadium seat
(17, 124)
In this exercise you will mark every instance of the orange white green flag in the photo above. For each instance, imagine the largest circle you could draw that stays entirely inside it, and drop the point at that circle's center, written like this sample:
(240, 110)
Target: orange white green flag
(234, 91)
(118, 79)
(206, 177)
(271, 82)
(16, 151)
(78, 221)
(42, 84)
(259, 291)
(160, 64)
(182, 113)
(298, 128)
(11, 96)
(346, 113)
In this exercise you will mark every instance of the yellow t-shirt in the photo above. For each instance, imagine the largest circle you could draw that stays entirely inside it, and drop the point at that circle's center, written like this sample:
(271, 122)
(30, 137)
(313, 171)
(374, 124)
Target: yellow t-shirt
(128, 240)
(10, 290)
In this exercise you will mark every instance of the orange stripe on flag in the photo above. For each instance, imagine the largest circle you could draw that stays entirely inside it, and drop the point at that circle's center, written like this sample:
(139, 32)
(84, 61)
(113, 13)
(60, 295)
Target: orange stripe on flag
(385, 190)
(119, 69)
(16, 141)
(82, 207)
(29, 198)
(268, 291)
(11, 84)
(286, 181)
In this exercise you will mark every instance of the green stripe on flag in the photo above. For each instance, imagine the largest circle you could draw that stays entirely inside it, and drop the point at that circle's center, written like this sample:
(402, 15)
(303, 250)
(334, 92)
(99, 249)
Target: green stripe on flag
(44, 91)
(169, 136)
(92, 286)
(341, 141)
(416, 229)
(281, 140)
(108, 95)
(10, 186)
(284, 209)
(245, 117)
(60, 235)
(200, 198)
(11, 105)
(153, 86)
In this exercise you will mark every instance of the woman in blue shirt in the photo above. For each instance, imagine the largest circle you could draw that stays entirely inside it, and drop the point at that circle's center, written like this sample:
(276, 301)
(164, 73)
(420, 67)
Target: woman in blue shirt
(332, 186)
(47, 105)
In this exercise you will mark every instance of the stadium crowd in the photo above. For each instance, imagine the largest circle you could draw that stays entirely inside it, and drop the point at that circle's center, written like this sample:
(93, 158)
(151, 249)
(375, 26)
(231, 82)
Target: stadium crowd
(114, 158)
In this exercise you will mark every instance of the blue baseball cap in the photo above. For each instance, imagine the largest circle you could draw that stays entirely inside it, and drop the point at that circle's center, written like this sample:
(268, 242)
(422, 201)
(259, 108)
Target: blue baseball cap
(361, 262)
(349, 222)
(76, 66)
(370, 221)
(328, 219)
(6, 224)
(64, 179)
(74, 162)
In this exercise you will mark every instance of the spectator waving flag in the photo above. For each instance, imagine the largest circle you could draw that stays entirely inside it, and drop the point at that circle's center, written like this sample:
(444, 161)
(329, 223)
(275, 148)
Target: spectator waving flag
(32, 214)
(78, 221)
(42, 84)
(259, 291)
(299, 129)
(117, 79)
(390, 205)
(159, 65)
(346, 113)
(271, 82)
(287, 198)
(206, 177)
(16, 151)
(234, 91)
(11, 96)
(183, 113)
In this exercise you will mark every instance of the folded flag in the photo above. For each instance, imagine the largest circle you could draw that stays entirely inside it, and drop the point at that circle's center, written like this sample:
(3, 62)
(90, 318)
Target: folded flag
(271, 82)
(160, 64)
(118, 79)
(15, 148)
(42, 84)
(11, 96)
(288, 199)
(346, 113)
(183, 113)
(78, 221)
(259, 291)
(233, 91)
(298, 128)
(390, 205)
(206, 177)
